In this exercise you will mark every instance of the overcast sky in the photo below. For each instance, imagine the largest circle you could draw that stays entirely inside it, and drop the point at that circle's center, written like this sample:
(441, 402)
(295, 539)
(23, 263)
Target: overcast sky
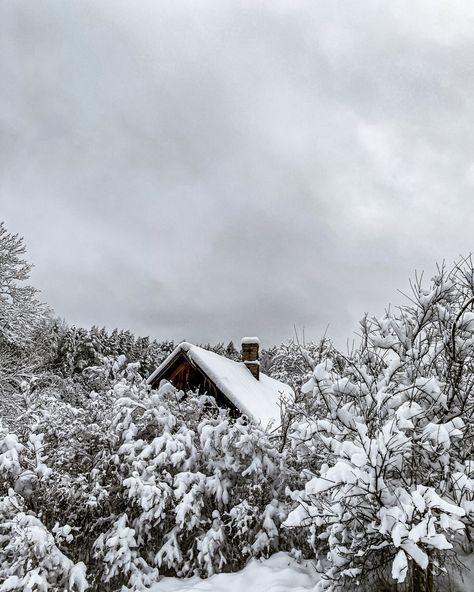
(207, 170)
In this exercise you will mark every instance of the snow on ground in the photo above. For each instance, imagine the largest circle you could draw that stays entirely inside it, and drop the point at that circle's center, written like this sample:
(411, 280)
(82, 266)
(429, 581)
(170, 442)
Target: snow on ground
(279, 573)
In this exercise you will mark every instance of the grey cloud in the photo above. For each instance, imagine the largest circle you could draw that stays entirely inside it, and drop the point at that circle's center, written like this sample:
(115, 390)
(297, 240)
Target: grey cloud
(205, 170)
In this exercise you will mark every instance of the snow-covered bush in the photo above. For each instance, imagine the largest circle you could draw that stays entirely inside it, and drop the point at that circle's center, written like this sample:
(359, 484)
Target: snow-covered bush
(392, 453)
(29, 556)
(198, 492)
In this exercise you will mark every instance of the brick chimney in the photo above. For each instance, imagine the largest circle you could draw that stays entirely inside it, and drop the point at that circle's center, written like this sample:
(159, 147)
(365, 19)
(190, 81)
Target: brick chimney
(250, 347)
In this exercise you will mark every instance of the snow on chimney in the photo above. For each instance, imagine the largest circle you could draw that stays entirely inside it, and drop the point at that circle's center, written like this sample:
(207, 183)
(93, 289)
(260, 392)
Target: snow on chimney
(250, 347)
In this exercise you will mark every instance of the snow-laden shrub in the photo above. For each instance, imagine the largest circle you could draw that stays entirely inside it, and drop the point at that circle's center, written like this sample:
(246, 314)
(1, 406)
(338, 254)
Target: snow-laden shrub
(393, 447)
(29, 556)
(193, 490)
(119, 550)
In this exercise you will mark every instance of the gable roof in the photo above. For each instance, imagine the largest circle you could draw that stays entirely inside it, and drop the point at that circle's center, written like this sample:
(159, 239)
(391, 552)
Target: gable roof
(259, 399)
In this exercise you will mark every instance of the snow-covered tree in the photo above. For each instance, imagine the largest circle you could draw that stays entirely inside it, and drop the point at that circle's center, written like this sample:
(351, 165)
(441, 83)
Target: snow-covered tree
(292, 362)
(20, 310)
(78, 348)
(23, 322)
(390, 481)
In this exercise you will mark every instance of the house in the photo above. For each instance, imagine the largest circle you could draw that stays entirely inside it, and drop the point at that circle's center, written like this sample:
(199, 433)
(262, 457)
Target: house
(239, 386)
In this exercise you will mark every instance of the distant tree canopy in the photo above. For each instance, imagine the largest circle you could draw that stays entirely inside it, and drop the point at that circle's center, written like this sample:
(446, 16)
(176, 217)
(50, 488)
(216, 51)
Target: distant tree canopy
(78, 348)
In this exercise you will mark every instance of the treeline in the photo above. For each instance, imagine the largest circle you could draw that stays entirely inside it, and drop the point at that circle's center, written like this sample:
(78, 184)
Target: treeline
(67, 350)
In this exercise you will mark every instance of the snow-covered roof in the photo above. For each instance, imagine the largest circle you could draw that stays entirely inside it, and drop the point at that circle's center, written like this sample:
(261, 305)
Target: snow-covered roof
(259, 399)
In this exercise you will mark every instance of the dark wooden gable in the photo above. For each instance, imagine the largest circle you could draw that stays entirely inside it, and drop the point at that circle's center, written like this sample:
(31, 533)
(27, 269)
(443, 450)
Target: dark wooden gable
(185, 375)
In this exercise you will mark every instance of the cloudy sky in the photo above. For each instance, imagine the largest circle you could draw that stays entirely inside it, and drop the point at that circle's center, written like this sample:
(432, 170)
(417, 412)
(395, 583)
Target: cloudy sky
(211, 169)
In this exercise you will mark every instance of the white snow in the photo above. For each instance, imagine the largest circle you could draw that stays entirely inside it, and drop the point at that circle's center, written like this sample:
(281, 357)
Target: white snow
(400, 567)
(466, 322)
(249, 340)
(279, 573)
(259, 399)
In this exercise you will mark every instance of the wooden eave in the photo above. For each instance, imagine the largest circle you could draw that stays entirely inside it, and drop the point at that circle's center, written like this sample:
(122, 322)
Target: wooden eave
(206, 379)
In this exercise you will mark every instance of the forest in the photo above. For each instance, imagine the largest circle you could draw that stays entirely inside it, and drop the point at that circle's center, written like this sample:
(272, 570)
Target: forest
(106, 484)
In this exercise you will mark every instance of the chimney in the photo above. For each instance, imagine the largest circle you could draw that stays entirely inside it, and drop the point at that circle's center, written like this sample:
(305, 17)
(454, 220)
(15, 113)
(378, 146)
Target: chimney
(250, 347)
